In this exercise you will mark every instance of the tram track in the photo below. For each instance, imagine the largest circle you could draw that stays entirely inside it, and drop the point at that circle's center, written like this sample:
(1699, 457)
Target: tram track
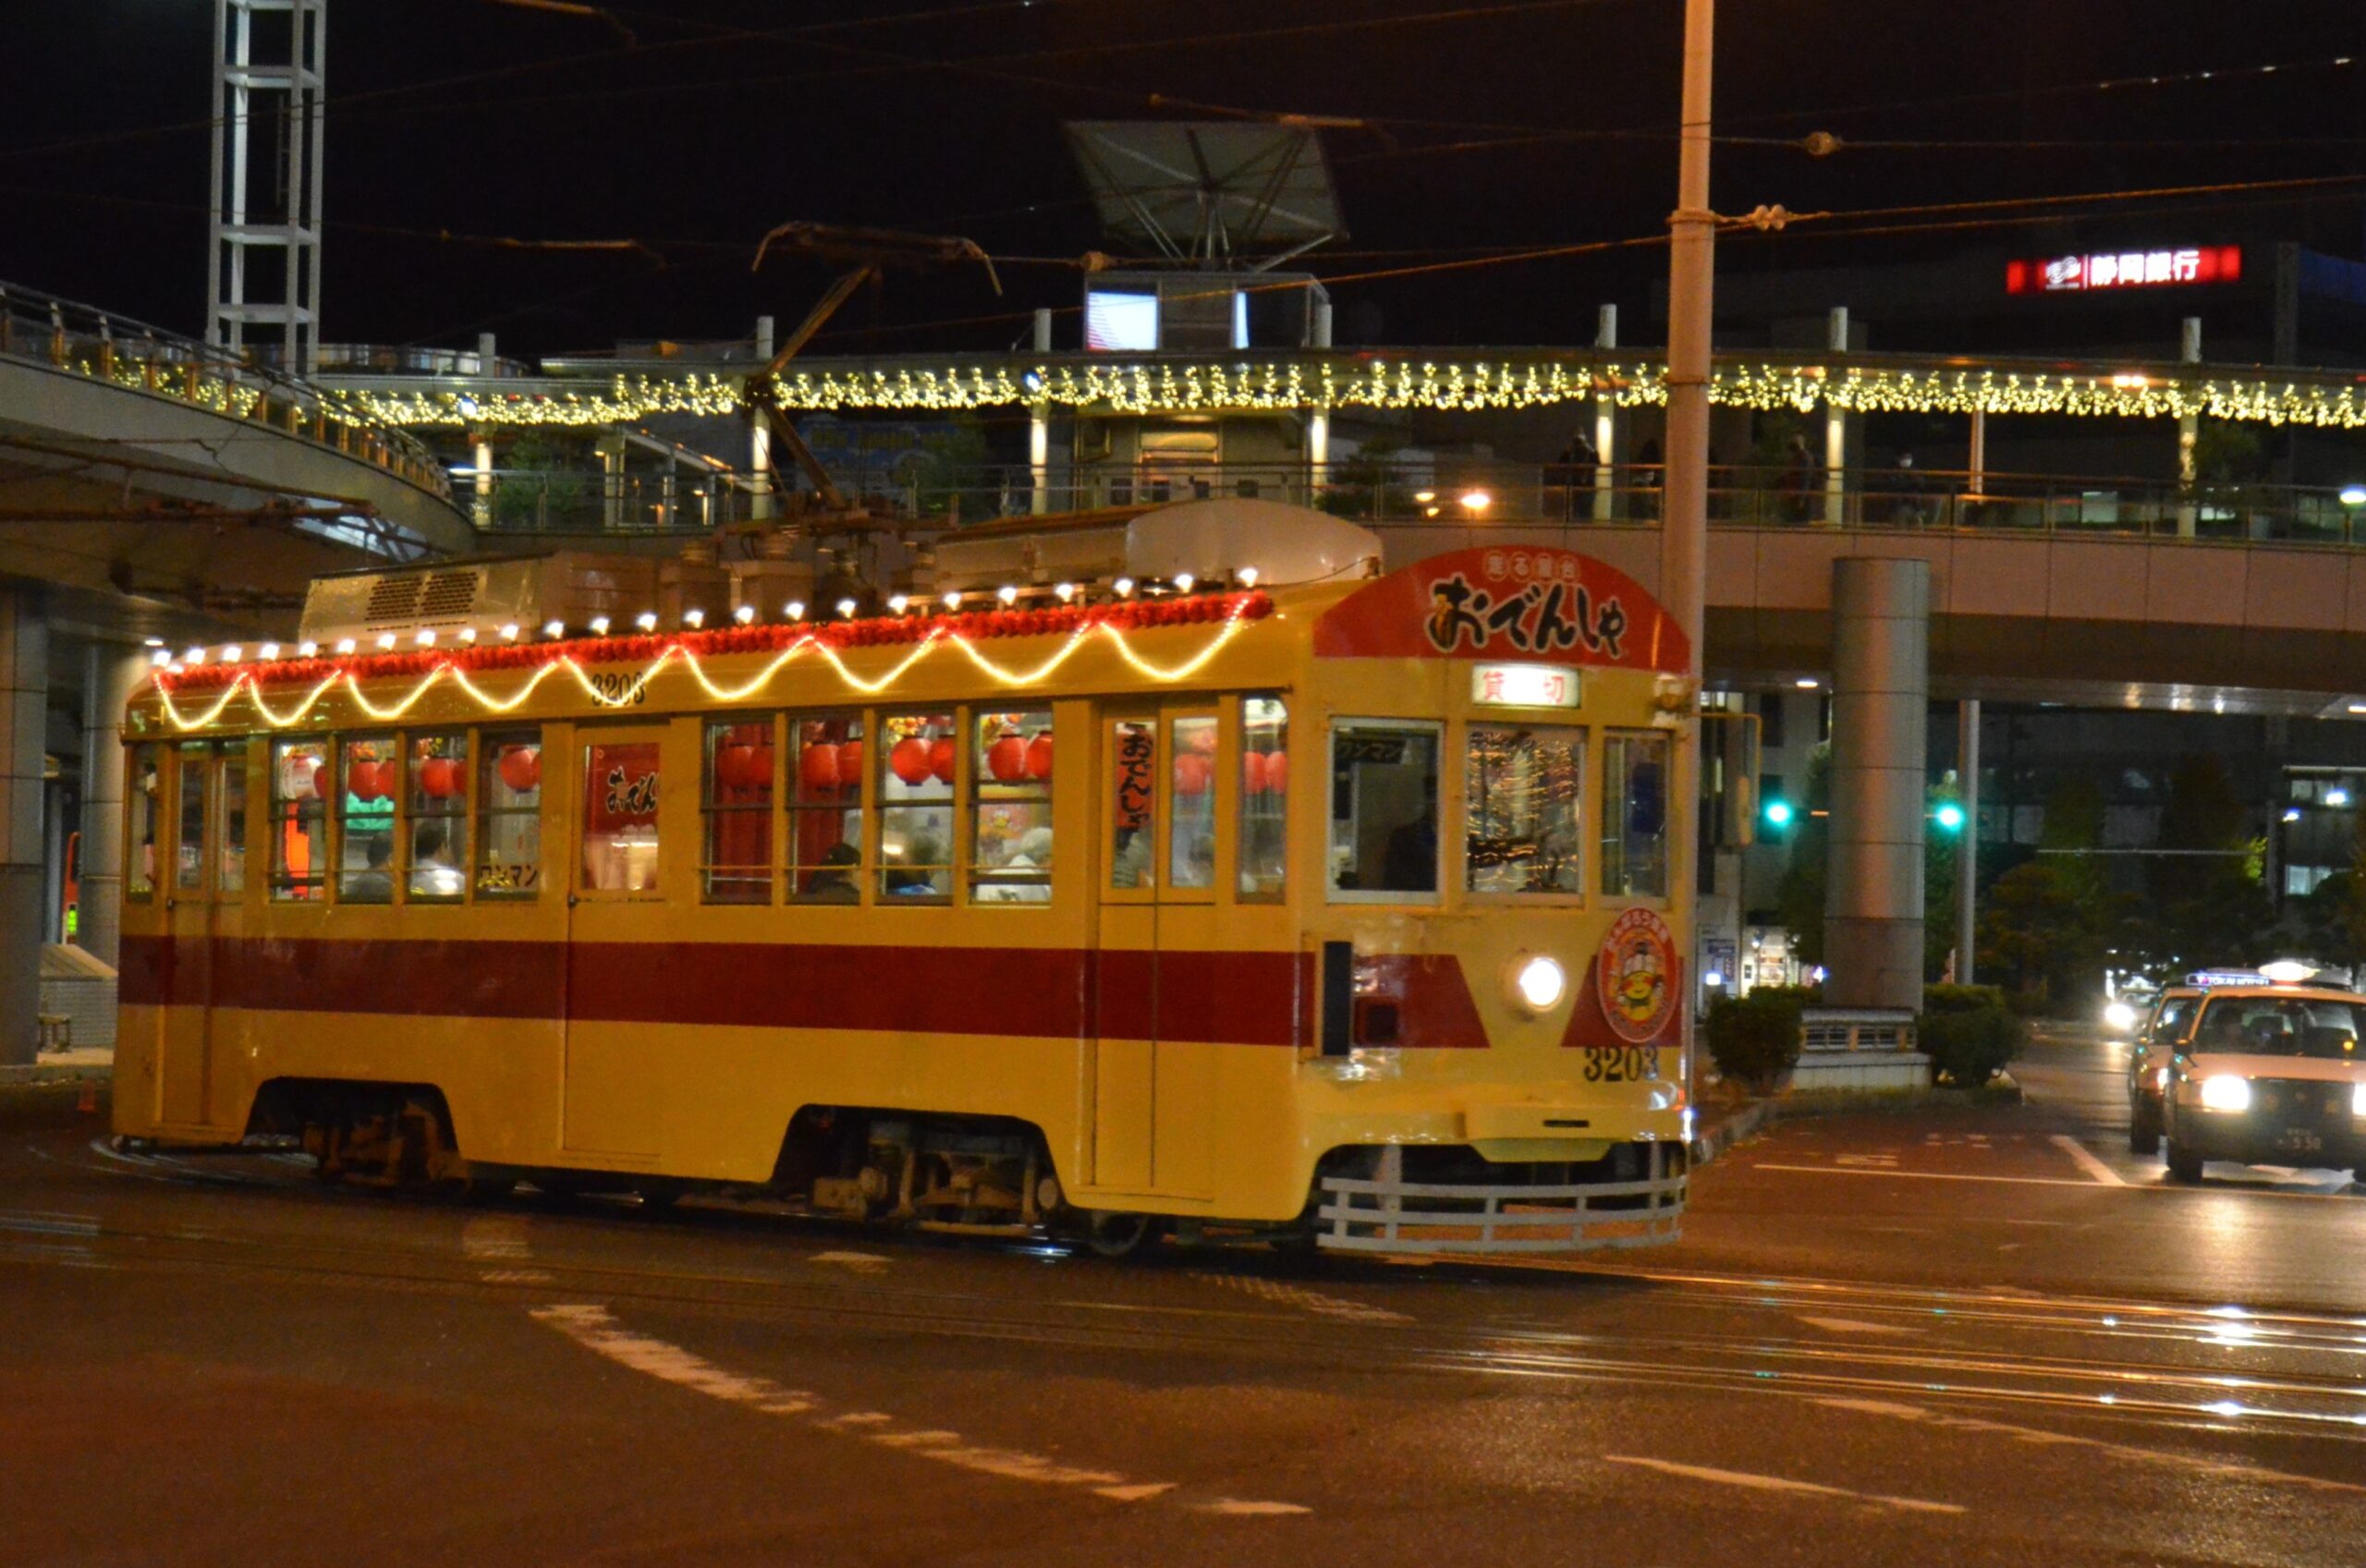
(2118, 1388)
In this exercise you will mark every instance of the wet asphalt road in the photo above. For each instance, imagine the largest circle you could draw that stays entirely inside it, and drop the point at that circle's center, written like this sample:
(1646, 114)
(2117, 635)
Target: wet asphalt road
(1951, 1336)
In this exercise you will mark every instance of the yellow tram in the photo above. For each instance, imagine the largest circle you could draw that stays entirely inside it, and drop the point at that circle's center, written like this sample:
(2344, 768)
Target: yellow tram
(1337, 910)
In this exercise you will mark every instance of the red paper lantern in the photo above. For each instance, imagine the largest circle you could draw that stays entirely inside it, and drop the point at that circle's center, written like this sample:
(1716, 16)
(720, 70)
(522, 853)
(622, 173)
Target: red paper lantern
(522, 767)
(1007, 760)
(319, 779)
(819, 768)
(365, 780)
(1277, 771)
(758, 772)
(735, 766)
(1202, 738)
(1039, 756)
(440, 777)
(1192, 774)
(1252, 771)
(850, 764)
(910, 760)
(940, 758)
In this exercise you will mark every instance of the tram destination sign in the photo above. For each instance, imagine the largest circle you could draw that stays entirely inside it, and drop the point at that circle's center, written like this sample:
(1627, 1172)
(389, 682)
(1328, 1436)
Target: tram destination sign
(1523, 685)
(1498, 605)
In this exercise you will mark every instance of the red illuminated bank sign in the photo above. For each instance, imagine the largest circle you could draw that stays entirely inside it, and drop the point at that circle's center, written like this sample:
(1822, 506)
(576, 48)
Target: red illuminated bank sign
(2124, 269)
(1493, 603)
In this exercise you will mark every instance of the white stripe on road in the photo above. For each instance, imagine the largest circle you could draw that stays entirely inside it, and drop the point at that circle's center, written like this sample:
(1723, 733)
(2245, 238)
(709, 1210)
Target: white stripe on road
(1299, 1296)
(2086, 1161)
(1854, 1326)
(595, 1328)
(2237, 1189)
(1783, 1484)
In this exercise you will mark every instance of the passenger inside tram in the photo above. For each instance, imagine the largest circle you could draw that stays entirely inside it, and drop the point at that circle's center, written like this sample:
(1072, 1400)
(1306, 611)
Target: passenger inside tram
(834, 883)
(375, 882)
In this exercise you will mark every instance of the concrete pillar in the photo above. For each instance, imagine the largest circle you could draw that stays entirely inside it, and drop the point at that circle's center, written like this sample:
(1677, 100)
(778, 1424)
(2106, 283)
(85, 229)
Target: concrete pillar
(760, 436)
(488, 365)
(1968, 843)
(24, 707)
(110, 675)
(1880, 646)
(1605, 423)
(1835, 430)
(2188, 430)
(1038, 430)
(1979, 460)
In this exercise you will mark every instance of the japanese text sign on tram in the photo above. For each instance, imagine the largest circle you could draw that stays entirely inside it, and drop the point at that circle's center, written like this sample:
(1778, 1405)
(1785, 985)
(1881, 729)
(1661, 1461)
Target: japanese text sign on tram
(1495, 604)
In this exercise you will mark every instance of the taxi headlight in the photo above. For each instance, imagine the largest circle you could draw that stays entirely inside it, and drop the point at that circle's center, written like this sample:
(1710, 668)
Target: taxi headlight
(2224, 1091)
(2358, 1100)
(2161, 1078)
(1537, 983)
(2119, 1017)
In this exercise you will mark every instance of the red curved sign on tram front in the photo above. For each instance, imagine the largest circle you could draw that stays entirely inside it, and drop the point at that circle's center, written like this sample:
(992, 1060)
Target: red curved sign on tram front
(1506, 603)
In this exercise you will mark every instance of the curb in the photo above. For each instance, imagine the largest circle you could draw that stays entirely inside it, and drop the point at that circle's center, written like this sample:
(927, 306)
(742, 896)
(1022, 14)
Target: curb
(1714, 1140)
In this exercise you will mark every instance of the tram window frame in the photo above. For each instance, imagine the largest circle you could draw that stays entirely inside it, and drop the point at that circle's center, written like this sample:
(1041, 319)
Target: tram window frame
(589, 740)
(231, 816)
(1435, 730)
(414, 815)
(493, 811)
(1262, 823)
(1577, 739)
(1618, 801)
(743, 882)
(143, 781)
(193, 759)
(1138, 856)
(1029, 886)
(1189, 878)
(307, 812)
(824, 880)
(940, 727)
(386, 750)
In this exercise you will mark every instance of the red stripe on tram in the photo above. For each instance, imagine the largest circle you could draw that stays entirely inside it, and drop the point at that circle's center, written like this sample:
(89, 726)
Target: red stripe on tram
(1064, 993)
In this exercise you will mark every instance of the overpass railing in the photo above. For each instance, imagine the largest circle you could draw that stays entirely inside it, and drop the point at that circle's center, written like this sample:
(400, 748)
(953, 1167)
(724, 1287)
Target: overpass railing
(84, 340)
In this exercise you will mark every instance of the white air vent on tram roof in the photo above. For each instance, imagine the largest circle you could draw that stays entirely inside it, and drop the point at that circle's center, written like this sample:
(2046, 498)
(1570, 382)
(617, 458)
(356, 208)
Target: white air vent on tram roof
(1211, 539)
(569, 587)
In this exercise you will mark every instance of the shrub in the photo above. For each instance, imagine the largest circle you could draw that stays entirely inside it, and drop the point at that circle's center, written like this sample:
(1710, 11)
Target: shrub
(1969, 1037)
(1755, 1039)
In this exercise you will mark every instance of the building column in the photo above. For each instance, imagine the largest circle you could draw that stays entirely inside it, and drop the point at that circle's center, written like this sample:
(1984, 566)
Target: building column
(24, 707)
(1968, 844)
(759, 436)
(1318, 419)
(1038, 430)
(1835, 430)
(1881, 647)
(2188, 431)
(110, 675)
(1605, 423)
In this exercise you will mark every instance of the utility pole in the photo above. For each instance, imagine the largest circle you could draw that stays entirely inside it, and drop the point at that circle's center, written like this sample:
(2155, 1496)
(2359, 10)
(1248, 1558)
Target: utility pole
(1684, 526)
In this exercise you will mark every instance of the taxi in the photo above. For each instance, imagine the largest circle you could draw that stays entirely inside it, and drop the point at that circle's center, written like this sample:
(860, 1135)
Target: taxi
(2148, 1063)
(2269, 1074)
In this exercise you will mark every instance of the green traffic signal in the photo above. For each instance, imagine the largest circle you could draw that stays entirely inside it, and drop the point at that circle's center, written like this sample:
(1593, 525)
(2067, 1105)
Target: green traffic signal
(1777, 812)
(1949, 816)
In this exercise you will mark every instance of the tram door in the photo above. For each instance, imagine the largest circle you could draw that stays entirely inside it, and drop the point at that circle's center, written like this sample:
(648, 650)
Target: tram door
(616, 1091)
(1153, 1085)
(184, 1046)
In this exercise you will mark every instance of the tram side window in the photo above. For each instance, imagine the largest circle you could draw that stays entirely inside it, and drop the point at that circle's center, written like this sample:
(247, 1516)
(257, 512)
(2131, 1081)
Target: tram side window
(230, 792)
(620, 789)
(439, 817)
(825, 810)
(1634, 800)
(366, 785)
(1133, 761)
(189, 864)
(915, 805)
(510, 815)
(1191, 823)
(1384, 808)
(1521, 790)
(302, 780)
(1010, 808)
(1265, 781)
(737, 809)
(144, 781)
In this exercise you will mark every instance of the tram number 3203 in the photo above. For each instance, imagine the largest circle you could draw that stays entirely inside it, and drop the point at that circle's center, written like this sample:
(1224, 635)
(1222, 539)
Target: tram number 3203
(1627, 1064)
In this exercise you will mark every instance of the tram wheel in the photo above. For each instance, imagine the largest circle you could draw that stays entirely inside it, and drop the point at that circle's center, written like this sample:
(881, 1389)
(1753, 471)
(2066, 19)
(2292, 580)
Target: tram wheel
(1111, 1234)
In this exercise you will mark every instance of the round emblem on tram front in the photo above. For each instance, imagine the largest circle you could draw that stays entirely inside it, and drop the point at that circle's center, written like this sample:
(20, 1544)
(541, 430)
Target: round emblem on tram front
(1635, 976)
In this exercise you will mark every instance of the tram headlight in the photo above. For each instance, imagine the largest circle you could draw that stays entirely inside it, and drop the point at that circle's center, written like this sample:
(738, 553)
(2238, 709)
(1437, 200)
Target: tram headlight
(1536, 983)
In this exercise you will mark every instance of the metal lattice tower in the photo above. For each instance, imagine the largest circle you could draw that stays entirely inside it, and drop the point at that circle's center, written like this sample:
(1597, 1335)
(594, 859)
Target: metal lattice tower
(263, 264)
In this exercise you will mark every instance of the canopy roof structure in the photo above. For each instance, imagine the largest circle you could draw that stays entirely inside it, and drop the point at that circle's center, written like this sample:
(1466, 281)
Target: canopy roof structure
(1211, 191)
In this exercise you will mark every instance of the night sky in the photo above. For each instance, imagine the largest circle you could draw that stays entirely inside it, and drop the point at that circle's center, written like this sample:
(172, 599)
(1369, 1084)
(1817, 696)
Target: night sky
(698, 132)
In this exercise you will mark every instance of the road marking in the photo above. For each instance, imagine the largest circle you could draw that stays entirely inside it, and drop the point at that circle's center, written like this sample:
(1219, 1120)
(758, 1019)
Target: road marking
(1854, 1326)
(860, 1262)
(2219, 1467)
(1783, 1484)
(1288, 1294)
(596, 1330)
(2225, 1189)
(2086, 1161)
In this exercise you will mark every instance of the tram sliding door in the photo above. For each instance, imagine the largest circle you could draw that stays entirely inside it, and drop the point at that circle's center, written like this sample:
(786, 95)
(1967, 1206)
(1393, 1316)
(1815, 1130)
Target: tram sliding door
(616, 1091)
(184, 1066)
(1153, 1084)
